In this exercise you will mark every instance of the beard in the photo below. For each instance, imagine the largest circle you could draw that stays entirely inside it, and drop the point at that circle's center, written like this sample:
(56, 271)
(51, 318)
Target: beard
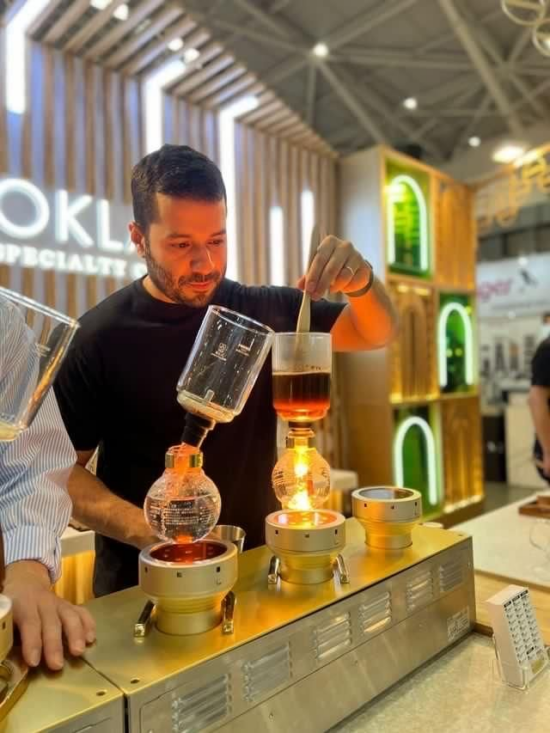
(175, 289)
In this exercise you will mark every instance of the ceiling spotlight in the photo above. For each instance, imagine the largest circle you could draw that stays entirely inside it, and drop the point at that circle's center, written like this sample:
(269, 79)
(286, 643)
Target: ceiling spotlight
(191, 55)
(175, 45)
(508, 153)
(474, 141)
(410, 103)
(100, 4)
(320, 50)
(122, 12)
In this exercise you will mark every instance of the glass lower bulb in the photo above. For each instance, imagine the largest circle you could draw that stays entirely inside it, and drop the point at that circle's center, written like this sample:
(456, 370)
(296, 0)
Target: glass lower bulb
(301, 479)
(183, 505)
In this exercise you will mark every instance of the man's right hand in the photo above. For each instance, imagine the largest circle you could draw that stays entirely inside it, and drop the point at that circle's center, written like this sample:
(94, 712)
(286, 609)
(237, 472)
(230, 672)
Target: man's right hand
(43, 619)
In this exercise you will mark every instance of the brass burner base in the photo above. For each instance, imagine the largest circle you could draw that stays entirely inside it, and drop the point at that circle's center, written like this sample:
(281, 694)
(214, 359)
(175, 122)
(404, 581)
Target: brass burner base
(307, 546)
(388, 514)
(319, 570)
(13, 682)
(188, 585)
(6, 627)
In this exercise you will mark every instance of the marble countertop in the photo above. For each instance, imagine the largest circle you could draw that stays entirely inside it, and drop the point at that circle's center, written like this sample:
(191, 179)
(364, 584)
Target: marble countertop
(502, 545)
(458, 692)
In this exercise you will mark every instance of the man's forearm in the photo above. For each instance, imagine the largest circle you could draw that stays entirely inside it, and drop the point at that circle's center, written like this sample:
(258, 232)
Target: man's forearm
(541, 418)
(104, 512)
(374, 315)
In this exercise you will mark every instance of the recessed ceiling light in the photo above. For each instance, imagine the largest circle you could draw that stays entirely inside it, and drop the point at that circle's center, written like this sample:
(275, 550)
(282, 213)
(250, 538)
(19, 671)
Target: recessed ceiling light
(523, 261)
(474, 141)
(176, 44)
(320, 50)
(410, 103)
(191, 55)
(100, 4)
(122, 12)
(508, 152)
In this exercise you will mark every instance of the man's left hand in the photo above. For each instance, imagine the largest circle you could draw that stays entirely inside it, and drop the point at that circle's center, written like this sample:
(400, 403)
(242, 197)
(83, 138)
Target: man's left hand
(337, 267)
(42, 618)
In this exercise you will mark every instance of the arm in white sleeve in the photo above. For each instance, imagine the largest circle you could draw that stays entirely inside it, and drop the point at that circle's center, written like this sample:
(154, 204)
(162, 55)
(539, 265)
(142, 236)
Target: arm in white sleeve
(35, 506)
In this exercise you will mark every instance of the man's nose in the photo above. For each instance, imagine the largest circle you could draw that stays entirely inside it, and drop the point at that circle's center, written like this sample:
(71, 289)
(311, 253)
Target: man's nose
(201, 260)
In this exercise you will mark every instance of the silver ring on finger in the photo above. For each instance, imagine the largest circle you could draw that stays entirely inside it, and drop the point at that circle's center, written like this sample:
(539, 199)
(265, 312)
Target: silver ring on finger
(347, 267)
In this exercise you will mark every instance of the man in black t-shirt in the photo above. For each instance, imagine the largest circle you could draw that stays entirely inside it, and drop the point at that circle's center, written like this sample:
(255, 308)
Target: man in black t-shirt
(117, 386)
(539, 403)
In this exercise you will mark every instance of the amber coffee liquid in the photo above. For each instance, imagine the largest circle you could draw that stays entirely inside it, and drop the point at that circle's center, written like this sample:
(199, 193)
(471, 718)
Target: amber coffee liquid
(301, 396)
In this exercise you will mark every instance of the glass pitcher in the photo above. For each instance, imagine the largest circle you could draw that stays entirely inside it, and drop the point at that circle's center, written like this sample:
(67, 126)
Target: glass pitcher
(33, 342)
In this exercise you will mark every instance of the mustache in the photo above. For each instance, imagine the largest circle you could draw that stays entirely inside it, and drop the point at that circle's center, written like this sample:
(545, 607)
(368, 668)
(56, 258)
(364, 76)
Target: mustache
(198, 278)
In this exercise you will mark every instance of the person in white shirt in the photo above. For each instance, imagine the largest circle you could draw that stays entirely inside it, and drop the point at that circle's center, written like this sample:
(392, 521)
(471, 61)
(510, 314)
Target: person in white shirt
(35, 509)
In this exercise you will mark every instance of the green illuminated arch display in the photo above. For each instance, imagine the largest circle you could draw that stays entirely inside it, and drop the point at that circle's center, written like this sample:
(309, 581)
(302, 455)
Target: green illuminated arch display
(415, 457)
(455, 344)
(407, 220)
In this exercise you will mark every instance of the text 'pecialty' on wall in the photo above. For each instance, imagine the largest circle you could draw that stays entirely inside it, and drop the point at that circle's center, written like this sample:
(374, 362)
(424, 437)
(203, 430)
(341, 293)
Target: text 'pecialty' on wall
(63, 232)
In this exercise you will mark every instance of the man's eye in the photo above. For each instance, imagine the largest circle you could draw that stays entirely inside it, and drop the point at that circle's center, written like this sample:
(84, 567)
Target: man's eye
(216, 242)
(181, 245)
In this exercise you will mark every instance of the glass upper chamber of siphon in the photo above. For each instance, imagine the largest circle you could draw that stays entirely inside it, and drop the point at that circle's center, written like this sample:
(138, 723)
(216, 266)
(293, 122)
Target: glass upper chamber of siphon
(301, 395)
(225, 361)
(184, 504)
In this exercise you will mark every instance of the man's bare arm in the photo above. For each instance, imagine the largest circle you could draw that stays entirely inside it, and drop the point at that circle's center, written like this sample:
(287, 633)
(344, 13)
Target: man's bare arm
(104, 512)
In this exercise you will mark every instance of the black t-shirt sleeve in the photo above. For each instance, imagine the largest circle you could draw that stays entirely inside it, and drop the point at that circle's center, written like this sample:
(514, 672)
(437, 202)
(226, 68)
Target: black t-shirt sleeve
(279, 308)
(540, 376)
(80, 394)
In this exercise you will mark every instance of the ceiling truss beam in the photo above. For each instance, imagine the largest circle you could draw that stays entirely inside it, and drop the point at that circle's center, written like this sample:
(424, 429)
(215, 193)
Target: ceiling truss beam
(479, 60)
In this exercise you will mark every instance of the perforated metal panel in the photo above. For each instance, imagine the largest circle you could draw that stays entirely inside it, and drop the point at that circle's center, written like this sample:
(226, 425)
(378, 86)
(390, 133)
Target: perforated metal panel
(376, 615)
(189, 710)
(451, 574)
(333, 637)
(266, 673)
(420, 590)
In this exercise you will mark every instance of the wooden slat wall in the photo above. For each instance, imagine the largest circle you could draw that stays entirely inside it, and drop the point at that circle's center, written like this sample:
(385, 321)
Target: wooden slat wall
(83, 131)
(271, 172)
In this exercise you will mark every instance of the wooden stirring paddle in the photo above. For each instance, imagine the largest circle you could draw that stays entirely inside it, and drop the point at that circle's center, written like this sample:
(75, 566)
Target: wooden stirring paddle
(304, 316)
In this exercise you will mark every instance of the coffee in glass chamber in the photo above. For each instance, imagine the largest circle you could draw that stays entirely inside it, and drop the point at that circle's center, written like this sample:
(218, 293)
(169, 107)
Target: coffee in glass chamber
(301, 370)
(301, 396)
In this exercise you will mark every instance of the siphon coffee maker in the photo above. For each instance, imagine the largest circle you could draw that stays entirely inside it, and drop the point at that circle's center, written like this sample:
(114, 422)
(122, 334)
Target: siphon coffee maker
(306, 539)
(190, 573)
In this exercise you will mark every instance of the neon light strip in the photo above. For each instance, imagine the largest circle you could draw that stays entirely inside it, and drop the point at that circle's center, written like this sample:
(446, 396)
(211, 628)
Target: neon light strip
(227, 165)
(276, 246)
(423, 210)
(16, 30)
(399, 468)
(154, 85)
(442, 343)
(307, 209)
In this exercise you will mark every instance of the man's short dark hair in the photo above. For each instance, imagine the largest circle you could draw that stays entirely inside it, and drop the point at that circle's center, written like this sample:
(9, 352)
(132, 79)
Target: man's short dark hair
(173, 170)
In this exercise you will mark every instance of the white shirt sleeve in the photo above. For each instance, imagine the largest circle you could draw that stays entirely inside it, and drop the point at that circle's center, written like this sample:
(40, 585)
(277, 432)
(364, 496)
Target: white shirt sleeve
(35, 507)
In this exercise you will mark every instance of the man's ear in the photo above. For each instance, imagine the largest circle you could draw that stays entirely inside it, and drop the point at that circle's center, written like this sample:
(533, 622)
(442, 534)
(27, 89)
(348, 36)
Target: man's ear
(137, 237)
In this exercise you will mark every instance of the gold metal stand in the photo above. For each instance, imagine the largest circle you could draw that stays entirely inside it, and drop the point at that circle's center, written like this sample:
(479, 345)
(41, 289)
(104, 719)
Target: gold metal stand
(13, 682)
(307, 545)
(388, 515)
(188, 584)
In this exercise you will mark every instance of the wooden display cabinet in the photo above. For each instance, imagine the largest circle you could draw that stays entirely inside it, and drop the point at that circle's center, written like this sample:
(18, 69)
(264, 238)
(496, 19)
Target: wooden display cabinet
(416, 226)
